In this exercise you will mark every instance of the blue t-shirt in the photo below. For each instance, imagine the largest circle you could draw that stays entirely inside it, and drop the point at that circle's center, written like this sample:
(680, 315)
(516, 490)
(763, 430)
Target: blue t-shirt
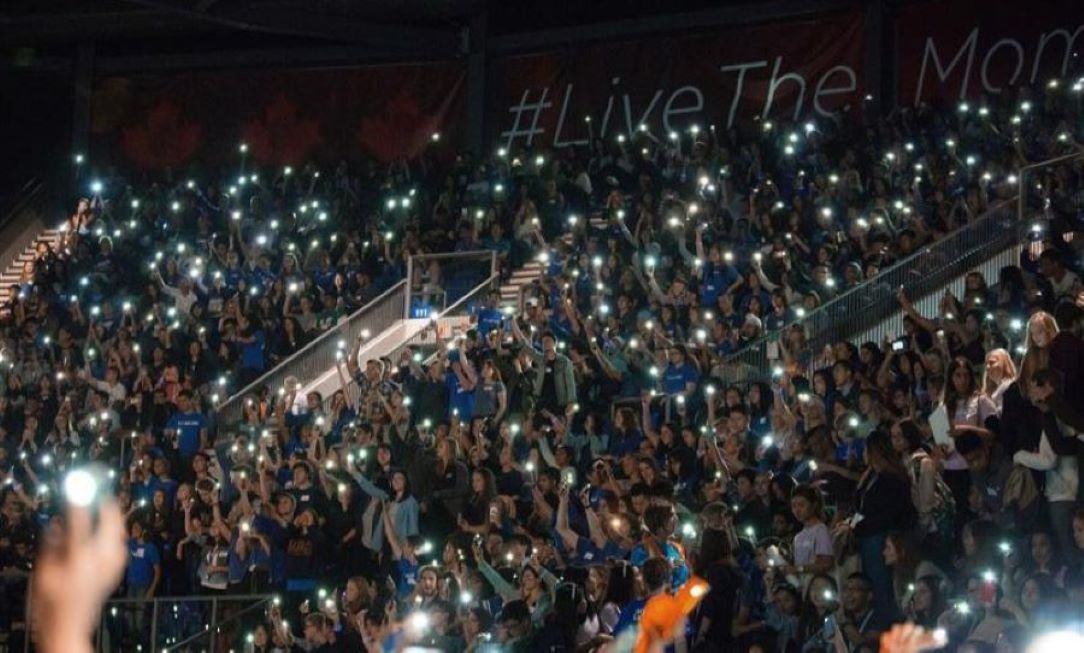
(680, 572)
(252, 353)
(621, 446)
(717, 278)
(142, 559)
(188, 427)
(458, 398)
(489, 319)
(277, 535)
(588, 553)
(630, 615)
(674, 379)
(406, 579)
(167, 485)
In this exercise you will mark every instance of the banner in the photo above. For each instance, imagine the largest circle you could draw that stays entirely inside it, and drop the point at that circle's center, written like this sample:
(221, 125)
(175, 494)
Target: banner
(284, 116)
(722, 77)
(952, 50)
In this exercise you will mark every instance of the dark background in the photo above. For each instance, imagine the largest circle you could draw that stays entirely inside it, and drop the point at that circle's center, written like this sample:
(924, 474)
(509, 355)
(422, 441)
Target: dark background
(54, 53)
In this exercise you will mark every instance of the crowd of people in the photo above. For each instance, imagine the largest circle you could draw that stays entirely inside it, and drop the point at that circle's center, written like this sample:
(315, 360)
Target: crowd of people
(539, 479)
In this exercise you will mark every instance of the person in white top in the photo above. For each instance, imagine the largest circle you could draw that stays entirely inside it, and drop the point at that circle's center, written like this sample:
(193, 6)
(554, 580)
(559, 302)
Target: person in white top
(1064, 282)
(1060, 471)
(998, 375)
(813, 550)
(966, 410)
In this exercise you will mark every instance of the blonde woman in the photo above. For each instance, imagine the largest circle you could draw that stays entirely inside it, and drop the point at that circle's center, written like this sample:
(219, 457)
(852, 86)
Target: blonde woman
(1041, 334)
(998, 375)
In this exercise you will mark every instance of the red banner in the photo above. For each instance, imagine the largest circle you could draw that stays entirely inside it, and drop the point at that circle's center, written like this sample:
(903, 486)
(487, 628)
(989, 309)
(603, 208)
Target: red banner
(285, 117)
(949, 51)
(671, 82)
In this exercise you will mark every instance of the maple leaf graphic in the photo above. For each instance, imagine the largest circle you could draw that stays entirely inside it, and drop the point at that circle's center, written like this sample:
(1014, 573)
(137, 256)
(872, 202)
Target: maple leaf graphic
(163, 140)
(282, 137)
(399, 131)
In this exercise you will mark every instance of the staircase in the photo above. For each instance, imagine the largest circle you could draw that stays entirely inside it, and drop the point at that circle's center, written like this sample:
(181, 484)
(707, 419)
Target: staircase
(512, 292)
(9, 278)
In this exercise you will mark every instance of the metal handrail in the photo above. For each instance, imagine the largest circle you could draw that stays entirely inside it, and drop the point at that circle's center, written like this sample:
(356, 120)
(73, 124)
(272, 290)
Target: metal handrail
(494, 268)
(24, 195)
(1022, 178)
(865, 304)
(492, 281)
(258, 601)
(342, 330)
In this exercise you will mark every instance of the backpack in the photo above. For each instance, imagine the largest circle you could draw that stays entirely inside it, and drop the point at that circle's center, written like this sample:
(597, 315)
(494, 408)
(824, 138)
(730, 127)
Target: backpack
(943, 514)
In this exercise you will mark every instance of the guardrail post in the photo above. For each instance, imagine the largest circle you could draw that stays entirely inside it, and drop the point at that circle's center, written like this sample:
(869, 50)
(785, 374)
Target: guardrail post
(1021, 192)
(154, 624)
(27, 616)
(409, 286)
(214, 622)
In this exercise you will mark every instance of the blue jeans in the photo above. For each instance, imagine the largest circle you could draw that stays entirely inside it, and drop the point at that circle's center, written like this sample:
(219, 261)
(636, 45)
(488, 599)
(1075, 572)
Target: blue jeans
(871, 550)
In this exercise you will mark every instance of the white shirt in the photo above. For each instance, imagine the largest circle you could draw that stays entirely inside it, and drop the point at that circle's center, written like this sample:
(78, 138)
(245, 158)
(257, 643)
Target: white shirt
(1062, 477)
(972, 411)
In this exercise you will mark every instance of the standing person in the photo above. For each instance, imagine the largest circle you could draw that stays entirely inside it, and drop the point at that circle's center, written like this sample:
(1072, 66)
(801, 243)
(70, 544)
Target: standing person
(813, 549)
(1047, 346)
(449, 485)
(934, 504)
(883, 505)
(490, 396)
(1056, 458)
(144, 573)
(997, 376)
(966, 409)
(554, 376)
(715, 616)
(144, 564)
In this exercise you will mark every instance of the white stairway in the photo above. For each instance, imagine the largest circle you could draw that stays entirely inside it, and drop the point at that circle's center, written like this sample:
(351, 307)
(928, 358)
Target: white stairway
(9, 278)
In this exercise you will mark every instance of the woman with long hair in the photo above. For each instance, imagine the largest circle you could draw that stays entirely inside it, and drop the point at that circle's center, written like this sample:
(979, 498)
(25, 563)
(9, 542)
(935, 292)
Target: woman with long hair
(475, 518)
(902, 555)
(935, 507)
(820, 601)
(1042, 331)
(449, 486)
(926, 602)
(476, 622)
(883, 505)
(345, 524)
(490, 395)
(715, 617)
(964, 400)
(966, 410)
(997, 375)
(620, 589)
(398, 500)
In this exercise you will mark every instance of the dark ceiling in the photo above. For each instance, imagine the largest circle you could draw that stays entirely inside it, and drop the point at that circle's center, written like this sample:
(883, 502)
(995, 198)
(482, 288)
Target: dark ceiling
(131, 26)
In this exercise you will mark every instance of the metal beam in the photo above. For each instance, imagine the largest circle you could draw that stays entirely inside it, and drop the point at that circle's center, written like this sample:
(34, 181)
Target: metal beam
(873, 30)
(204, 5)
(256, 58)
(308, 24)
(476, 83)
(730, 15)
(80, 26)
(84, 84)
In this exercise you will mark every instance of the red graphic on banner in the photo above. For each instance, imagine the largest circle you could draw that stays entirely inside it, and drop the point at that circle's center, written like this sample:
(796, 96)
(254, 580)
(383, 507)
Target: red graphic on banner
(163, 139)
(285, 116)
(282, 137)
(401, 127)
